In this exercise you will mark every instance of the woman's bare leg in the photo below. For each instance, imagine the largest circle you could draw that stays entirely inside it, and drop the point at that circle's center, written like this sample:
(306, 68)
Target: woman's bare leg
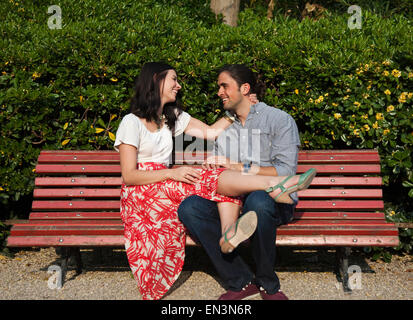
(233, 183)
(228, 215)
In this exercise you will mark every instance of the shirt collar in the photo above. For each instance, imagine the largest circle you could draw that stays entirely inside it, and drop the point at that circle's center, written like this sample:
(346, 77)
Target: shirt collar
(253, 112)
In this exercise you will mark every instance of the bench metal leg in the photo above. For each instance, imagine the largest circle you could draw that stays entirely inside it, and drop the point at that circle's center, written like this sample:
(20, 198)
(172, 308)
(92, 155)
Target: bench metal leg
(342, 255)
(66, 253)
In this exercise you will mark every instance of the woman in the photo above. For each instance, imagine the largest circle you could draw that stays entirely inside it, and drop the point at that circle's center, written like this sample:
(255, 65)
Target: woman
(151, 192)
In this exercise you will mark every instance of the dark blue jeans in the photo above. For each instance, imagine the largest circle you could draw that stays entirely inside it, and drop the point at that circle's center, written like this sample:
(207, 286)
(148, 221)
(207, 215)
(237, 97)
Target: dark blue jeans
(200, 216)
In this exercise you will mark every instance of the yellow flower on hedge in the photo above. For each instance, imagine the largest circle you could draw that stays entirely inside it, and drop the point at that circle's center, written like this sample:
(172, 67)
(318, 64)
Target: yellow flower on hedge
(296, 91)
(366, 127)
(396, 73)
(379, 116)
(357, 104)
(375, 125)
(345, 97)
(365, 116)
(356, 132)
(65, 142)
(386, 62)
(112, 136)
(402, 98)
(217, 110)
(410, 95)
(81, 98)
(35, 75)
(386, 73)
(337, 115)
(392, 213)
(334, 104)
(390, 108)
(99, 130)
(410, 75)
(386, 131)
(113, 79)
(387, 92)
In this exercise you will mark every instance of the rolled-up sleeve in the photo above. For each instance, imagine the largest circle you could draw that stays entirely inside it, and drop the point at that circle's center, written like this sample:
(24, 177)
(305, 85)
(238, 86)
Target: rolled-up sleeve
(285, 146)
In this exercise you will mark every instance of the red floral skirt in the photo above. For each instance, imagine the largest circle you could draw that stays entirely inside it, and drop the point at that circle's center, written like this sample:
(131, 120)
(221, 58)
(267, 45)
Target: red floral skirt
(154, 236)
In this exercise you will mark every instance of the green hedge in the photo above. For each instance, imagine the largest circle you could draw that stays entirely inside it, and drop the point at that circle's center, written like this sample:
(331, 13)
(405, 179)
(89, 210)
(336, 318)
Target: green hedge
(69, 88)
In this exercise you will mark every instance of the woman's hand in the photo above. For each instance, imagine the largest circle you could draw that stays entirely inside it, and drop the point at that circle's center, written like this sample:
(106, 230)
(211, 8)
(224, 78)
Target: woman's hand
(185, 174)
(253, 98)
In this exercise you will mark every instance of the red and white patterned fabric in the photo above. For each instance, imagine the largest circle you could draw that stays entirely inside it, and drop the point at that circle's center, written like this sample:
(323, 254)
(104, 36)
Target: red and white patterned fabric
(154, 236)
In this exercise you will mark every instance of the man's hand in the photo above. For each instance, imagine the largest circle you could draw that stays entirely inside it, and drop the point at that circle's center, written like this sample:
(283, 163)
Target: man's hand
(214, 162)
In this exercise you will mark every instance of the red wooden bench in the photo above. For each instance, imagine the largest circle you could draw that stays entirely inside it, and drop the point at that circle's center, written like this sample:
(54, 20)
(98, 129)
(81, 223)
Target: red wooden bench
(76, 204)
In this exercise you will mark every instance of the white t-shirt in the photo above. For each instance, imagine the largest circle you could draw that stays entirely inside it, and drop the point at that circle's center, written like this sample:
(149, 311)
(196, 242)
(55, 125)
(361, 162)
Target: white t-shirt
(151, 146)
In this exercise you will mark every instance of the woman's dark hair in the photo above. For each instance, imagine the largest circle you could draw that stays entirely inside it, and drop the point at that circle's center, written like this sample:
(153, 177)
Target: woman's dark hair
(146, 100)
(242, 74)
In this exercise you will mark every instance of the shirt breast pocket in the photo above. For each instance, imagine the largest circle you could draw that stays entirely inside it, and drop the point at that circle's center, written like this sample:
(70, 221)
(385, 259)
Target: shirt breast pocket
(261, 145)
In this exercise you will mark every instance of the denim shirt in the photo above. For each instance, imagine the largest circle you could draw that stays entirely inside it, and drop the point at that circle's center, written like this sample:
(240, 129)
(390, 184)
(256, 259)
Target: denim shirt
(269, 137)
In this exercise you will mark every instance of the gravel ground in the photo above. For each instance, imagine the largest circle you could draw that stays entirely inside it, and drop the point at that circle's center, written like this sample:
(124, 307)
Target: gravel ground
(305, 274)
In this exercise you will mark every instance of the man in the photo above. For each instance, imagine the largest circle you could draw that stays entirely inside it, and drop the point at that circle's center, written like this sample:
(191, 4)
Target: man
(261, 140)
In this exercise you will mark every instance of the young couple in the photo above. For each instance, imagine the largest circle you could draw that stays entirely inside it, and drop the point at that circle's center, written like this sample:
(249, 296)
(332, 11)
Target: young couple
(159, 204)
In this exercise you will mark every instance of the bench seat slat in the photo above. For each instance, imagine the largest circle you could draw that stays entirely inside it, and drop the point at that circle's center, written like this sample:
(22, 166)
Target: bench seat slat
(282, 240)
(337, 240)
(57, 241)
(56, 230)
